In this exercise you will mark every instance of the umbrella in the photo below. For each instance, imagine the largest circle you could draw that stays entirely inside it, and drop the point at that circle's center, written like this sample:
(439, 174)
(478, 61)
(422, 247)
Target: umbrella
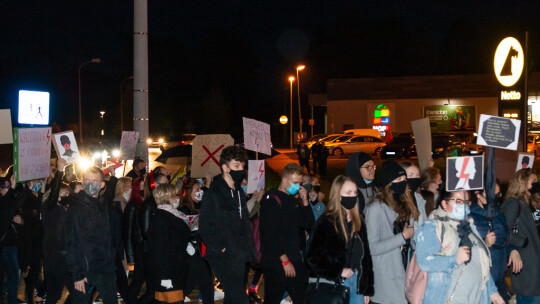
(178, 151)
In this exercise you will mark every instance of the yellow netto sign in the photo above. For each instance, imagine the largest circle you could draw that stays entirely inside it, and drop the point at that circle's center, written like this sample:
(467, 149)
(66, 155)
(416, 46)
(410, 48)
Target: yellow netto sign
(509, 61)
(512, 95)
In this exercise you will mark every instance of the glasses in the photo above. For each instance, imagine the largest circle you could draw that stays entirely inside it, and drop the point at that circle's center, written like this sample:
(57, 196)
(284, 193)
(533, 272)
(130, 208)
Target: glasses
(370, 168)
(459, 201)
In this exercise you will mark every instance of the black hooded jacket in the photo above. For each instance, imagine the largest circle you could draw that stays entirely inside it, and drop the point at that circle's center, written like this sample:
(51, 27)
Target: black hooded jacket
(367, 192)
(224, 224)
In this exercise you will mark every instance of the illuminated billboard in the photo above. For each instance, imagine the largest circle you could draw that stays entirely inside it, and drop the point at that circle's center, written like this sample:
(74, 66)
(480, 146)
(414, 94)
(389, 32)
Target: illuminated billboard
(33, 107)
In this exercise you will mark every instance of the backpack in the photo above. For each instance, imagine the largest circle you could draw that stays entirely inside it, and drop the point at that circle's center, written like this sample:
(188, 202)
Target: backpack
(415, 282)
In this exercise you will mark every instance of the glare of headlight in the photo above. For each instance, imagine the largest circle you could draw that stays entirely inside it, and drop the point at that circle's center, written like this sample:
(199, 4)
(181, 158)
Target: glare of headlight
(160, 140)
(96, 155)
(84, 164)
(116, 153)
(104, 156)
(149, 141)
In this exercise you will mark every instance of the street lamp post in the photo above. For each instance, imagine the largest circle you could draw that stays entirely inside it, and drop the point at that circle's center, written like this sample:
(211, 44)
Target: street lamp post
(291, 79)
(94, 60)
(122, 102)
(299, 68)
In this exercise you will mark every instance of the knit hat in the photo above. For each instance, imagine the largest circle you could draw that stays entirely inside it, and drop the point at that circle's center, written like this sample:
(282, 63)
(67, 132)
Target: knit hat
(363, 158)
(390, 170)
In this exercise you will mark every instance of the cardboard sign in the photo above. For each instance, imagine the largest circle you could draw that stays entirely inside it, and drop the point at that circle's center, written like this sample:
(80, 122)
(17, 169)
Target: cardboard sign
(422, 138)
(128, 144)
(206, 153)
(498, 132)
(6, 136)
(525, 160)
(31, 153)
(66, 146)
(257, 136)
(256, 176)
(465, 173)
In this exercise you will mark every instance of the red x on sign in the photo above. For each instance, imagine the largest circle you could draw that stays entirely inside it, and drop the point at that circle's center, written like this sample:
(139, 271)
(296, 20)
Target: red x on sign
(211, 155)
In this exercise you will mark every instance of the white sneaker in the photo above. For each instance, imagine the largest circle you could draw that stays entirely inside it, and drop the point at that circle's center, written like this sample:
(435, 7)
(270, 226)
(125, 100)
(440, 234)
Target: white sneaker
(284, 301)
(218, 295)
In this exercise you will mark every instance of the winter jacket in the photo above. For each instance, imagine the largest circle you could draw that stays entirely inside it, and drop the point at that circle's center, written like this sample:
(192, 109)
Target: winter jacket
(89, 244)
(53, 215)
(527, 242)
(499, 249)
(148, 210)
(279, 226)
(131, 231)
(327, 256)
(31, 232)
(224, 224)
(167, 257)
(440, 268)
(116, 226)
(8, 209)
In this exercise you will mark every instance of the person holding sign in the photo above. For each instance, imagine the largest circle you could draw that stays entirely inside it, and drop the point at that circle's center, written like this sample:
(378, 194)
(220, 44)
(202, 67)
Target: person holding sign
(458, 269)
(225, 228)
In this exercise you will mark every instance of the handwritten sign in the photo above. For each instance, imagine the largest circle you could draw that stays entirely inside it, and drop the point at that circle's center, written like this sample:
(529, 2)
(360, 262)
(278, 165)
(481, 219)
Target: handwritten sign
(256, 176)
(206, 152)
(498, 132)
(128, 144)
(465, 173)
(31, 153)
(422, 138)
(66, 146)
(6, 136)
(257, 136)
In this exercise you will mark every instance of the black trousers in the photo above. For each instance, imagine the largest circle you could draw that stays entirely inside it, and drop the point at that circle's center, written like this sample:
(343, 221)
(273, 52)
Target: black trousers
(105, 283)
(276, 283)
(200, 274)
(121, 279)
(140, 275)
(304, 162)
(231, 276)
(57, 275)
(31, 281)
(322, 166)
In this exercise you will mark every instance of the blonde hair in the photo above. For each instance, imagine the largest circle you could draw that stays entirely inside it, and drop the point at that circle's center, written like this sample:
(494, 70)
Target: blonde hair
(164, 193)
(122, 182)
(518, 185)
(338, 213)
(405, 210)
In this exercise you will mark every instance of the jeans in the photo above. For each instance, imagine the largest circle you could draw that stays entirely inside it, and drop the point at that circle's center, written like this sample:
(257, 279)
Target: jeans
(105, 283)
(231, 276)
(352, 284)
(11, 267)
(527, 300)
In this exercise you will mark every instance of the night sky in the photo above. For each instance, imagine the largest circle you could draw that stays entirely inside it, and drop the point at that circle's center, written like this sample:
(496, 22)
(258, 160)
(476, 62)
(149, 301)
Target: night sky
(212, 62)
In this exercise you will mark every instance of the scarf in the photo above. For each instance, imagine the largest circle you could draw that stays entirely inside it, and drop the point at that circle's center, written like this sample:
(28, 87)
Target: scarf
(173, 211)
(447, 232)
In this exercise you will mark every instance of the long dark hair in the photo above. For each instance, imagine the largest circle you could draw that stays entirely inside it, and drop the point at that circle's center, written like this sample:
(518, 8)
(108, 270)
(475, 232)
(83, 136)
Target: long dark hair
(187, 200)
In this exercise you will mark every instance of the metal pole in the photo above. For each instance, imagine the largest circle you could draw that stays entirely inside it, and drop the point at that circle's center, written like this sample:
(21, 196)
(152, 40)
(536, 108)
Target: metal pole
(291, 118)
(94, 60)
(140, 79)
(312, 120)
(122, 102)
(299, 108)
(526, 92)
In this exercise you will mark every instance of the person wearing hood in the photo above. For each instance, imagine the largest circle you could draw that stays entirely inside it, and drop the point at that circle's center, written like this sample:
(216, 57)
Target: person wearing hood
(225, 228)
(389, 222)
(283, 215)
(455, 257)
(361, 168)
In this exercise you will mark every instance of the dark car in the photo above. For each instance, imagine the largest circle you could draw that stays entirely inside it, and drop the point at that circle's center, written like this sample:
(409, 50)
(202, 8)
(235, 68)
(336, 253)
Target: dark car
(402, 146)
(444, 145)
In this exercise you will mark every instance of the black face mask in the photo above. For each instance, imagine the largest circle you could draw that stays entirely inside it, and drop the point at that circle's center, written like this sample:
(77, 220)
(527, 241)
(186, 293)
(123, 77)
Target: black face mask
(142, 171)
(317, 188)
(399, 188)
(348, 202)
(440, 187)
(169, 177)
(197, 205)
(237, 175)
(308, 187)
(535, 188)
(414, 183)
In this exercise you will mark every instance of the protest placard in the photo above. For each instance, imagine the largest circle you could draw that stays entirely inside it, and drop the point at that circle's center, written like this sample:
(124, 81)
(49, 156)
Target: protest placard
(256, 176)
(206, 153)
(257, 136)
(31, 153)
(422, 138)
(498, 132)
(465, 173)
(128, 144)
(525, 160)
(6, 136)
(65, 146)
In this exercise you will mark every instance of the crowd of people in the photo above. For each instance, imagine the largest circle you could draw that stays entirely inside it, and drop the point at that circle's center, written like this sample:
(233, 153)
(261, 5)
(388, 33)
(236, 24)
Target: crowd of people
(359, 245)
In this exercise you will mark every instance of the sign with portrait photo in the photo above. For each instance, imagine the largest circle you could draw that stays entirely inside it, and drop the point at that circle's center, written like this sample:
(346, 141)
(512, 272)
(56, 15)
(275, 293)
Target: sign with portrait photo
(525, 160)
(66, 146)
(465, 173)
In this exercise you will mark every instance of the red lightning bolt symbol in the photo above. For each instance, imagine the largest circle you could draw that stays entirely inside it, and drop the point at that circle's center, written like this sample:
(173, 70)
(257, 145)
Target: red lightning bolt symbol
(463, 174)
(48, 136)
(261, 170)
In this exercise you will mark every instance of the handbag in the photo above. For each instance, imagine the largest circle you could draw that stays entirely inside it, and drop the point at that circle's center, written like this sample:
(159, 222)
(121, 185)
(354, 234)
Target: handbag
(321, 291)
(415, 282)
(449, 301)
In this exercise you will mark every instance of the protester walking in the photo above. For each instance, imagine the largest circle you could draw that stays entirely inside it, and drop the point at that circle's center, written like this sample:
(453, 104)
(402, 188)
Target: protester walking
(303, 153)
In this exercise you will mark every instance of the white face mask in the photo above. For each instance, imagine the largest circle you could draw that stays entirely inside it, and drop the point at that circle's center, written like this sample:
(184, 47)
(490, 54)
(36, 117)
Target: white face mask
(176, 203)
(127, 195)
(199, 195)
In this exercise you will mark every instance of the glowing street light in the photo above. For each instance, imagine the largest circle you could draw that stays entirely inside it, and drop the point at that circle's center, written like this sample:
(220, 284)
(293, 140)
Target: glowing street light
(291, 79)
(299, 68)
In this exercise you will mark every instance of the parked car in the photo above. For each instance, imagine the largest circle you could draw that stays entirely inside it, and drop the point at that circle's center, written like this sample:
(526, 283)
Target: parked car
(176, 140)
(367, 144)
(402, 146)
(313, 139)
(533, 144)
(443, 145)
(468, 144)
(326, 139)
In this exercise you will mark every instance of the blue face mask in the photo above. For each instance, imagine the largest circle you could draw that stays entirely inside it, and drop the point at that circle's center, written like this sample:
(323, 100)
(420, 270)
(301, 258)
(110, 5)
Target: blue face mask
(36, 187)
(293, 189)
(244, 187)
(367, 181)
(459, 212)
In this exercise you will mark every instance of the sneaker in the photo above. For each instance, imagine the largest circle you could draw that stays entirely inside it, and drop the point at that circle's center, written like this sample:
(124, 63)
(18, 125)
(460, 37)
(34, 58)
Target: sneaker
(284, 301)
(218, 295)
(254, 297)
